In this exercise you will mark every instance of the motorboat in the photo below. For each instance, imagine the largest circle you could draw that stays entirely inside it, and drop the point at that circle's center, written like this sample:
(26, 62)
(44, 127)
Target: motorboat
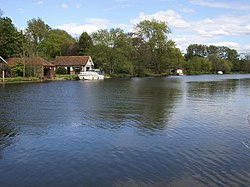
(93, 74)
(179, 72)
(220, 72)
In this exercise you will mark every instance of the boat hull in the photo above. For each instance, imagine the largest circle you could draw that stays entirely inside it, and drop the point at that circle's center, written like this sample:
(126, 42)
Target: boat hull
(94, 74)
(90, 77)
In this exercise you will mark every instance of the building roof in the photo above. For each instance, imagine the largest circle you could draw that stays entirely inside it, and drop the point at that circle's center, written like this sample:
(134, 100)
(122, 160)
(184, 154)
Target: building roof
(31, 60)
(72, 60)
(2, 60)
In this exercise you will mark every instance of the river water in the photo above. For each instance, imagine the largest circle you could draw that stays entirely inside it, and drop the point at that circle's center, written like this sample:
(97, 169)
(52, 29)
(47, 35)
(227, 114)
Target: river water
(171, 131)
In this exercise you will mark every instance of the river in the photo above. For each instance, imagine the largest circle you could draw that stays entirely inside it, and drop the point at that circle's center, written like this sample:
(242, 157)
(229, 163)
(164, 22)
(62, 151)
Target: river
(169, 131)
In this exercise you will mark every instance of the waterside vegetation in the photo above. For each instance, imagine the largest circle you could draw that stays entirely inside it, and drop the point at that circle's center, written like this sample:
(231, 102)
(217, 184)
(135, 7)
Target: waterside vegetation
(145, 52)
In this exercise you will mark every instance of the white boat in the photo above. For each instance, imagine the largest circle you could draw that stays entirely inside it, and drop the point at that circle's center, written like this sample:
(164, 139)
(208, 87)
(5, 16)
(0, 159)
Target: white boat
(179, 72)
(220, 72)
(94, 74)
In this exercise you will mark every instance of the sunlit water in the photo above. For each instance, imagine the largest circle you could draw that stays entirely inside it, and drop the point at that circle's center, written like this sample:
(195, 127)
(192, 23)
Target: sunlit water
(172, 131)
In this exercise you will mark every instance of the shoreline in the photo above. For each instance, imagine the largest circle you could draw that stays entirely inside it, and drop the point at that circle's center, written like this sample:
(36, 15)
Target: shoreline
(20, 80)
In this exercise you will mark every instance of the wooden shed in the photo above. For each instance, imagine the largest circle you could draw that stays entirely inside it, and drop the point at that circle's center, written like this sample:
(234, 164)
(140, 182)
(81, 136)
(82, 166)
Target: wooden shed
(38, 66)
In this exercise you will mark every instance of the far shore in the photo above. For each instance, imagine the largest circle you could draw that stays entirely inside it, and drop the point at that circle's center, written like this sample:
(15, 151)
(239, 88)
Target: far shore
(9, 80)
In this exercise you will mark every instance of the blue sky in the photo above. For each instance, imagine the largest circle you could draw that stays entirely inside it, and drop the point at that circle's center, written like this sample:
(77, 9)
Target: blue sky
(210, 22)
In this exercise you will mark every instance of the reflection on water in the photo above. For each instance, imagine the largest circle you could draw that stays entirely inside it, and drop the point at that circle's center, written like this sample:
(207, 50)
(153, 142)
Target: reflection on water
(173, 131)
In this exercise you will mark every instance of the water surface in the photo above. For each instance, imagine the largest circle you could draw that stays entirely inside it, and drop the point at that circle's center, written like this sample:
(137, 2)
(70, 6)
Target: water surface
(172, 131)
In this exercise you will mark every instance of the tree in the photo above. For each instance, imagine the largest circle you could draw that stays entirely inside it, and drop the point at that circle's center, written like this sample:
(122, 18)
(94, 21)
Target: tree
(198, 65)
(112, 51)
(245, 64)
(140, 54)
(154, 33)
(37, 31)
(58, 42)
(219, 64)
(84, 44)
(212, 50)
(196, 50)
(173, 56)
(10, 39)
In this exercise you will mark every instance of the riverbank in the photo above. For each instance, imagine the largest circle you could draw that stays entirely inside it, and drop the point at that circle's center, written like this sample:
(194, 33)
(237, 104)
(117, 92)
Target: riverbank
(35, 79)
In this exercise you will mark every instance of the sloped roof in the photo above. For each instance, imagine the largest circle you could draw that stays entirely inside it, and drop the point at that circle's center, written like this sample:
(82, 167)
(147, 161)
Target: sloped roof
(35, 61)
(71, 60)
(2, 60)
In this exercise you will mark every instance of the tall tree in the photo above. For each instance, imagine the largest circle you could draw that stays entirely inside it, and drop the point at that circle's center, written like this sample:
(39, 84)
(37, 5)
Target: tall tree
(196, 50)
(10, 38)
(154, 34)
(84, 44)
(58, 42)
(116, 50)
(37, 31)
(219, 64)
(197, 65)
(140, 54)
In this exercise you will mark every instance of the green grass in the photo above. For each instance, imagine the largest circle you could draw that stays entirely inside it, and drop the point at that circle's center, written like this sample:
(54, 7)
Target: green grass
(20, 79)
(66, 77)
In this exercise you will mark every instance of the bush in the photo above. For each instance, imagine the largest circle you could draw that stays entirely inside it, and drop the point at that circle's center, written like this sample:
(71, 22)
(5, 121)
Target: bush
(61, 71)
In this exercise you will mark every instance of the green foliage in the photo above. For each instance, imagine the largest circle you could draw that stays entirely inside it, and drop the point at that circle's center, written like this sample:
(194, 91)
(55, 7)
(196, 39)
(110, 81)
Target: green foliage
(222, 58)
(219, 64)
(154, 34)
(17, 70)
(37, 29)
(197, 65)
(58, 42)
(10, 38)
(66, 77)
(84, 44)
(112, 51)
(61, 71)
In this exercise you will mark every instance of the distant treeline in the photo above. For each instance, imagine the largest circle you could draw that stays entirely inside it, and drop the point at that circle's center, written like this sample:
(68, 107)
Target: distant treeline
(148, 51)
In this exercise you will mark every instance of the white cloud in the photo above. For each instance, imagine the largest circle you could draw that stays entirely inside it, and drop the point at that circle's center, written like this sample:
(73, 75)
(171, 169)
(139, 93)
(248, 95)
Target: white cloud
(97, 21)
(170, 16)
(222, 4)
(76, 30)
(65, 6)
(223, 25)
(184, 40)
(40, 2)
(91, 25)
(232, 45)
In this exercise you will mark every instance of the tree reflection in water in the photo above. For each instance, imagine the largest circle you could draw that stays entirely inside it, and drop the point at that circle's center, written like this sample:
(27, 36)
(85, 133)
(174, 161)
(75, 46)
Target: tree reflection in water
(7, 133)
(247, 142)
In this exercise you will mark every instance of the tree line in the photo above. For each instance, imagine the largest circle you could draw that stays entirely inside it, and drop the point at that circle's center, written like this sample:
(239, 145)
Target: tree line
(148, 51)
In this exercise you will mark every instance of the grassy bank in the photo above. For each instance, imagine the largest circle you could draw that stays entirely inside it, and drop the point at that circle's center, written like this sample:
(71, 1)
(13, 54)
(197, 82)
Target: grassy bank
(35, 79)
(20, 79)
(66, 77)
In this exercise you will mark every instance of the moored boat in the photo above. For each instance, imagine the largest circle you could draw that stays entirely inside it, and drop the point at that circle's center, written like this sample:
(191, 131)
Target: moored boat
(220, 72)
(94, 74)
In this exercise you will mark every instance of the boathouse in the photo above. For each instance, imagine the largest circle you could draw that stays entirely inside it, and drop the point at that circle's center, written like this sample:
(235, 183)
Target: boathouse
(74, 64)
(33, 66)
